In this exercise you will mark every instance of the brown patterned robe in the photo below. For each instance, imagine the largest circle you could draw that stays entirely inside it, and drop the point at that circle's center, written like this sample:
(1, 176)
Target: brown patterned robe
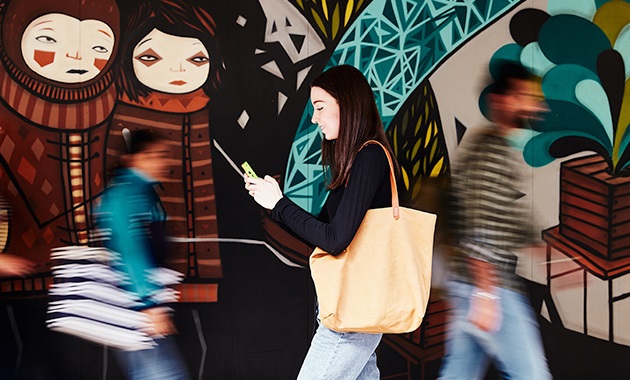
(51, 157)
(188, 195)
(52, 135)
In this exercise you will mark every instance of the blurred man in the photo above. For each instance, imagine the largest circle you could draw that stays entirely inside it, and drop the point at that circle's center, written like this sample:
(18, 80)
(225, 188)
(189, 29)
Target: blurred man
(129, 210)
(10, 265)
(492, 319)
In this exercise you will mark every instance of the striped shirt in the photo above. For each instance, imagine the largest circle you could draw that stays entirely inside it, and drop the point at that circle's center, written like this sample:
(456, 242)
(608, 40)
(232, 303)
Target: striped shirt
(490, 220)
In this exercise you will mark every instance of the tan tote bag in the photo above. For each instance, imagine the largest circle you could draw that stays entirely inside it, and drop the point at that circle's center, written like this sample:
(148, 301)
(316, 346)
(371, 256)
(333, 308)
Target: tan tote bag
(381, 282)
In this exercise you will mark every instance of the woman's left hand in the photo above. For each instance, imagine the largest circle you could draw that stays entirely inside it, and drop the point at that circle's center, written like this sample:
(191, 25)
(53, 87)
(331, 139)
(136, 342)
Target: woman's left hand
(265, 191)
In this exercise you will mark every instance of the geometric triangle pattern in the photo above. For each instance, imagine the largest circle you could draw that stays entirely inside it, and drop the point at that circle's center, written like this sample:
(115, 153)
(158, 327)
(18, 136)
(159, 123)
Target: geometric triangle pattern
(396, 44)
(416, 137)
(460, 130)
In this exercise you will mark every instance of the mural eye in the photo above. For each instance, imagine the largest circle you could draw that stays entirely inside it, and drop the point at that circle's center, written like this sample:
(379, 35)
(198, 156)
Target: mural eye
(148, 57)
(198, 60)
(46, 39)
(100, 49)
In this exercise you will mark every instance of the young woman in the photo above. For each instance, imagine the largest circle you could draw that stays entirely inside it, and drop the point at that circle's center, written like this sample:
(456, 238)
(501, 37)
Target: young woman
(345, 111)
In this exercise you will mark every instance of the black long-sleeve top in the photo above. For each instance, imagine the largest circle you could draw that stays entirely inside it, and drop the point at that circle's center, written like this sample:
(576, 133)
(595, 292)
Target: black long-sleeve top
(334, 228)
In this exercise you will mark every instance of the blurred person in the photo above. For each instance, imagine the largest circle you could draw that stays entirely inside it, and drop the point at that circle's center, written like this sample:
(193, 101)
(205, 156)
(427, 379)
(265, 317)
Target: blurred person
(492, 319)
(10, 265)
(129, 210)
(346, 112)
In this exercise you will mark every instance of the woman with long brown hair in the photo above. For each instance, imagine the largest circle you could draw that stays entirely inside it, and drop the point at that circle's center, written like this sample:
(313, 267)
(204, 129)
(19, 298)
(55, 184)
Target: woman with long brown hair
(345, 111)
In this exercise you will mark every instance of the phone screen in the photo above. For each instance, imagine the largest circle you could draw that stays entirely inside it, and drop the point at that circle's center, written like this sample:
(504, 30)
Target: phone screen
(248, 170)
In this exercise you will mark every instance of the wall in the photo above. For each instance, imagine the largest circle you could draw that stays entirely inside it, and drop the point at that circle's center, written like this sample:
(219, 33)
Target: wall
(247, 301)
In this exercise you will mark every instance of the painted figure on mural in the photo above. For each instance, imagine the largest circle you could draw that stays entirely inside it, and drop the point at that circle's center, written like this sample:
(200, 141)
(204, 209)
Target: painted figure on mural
(57, 95)
(169, 64)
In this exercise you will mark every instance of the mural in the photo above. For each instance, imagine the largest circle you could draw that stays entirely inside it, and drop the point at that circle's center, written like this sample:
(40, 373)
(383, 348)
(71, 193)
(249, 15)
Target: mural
(168, 63)
(227, 82)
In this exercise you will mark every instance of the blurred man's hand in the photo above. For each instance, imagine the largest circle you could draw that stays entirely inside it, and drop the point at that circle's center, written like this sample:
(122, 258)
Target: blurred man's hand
(12, 265)
(485, 313)
(161, 322)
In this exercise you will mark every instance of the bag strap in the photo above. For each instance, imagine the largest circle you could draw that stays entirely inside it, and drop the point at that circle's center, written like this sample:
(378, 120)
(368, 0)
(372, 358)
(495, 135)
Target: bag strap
(392, 178)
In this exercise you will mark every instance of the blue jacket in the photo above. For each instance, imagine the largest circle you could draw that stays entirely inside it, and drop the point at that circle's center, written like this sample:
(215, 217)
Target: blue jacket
(128, 208)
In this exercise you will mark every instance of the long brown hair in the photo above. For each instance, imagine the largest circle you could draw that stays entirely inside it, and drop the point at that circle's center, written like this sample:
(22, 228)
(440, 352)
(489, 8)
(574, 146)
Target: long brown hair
(359, 120)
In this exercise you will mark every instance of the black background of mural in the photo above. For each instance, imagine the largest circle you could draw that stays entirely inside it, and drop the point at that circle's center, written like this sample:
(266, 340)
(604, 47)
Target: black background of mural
(261, 327)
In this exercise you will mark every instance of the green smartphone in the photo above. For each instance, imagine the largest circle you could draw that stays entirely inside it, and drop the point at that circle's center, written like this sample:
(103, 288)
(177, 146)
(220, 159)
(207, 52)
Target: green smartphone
(248, 170)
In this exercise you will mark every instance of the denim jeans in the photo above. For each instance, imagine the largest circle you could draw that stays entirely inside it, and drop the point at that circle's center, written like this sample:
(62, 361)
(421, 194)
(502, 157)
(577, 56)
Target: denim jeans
(163, 362)
(515, 349)
(341, 356)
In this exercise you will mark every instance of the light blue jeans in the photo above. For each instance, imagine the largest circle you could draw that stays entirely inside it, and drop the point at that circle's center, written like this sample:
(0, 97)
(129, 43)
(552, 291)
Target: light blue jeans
(341, 356)
(516, 348)
(163, 362)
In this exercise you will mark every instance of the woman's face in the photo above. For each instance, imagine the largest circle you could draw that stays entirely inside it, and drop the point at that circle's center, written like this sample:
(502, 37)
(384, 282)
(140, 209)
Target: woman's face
(67, 50)
(171, 64)
(325, 113)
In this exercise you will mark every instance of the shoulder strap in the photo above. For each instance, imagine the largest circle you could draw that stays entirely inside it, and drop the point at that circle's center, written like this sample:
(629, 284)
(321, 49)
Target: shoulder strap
(392, 178)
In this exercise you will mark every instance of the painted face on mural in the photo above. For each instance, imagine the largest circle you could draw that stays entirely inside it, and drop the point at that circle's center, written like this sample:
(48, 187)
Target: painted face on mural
(325, 112)
(171, 64)
(67, 50)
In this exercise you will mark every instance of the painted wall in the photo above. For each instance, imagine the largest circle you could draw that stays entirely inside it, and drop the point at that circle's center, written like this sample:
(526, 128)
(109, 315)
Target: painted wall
(226, 82)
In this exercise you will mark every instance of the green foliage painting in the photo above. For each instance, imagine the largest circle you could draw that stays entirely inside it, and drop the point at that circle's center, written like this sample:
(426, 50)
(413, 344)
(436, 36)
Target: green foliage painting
(584, 63)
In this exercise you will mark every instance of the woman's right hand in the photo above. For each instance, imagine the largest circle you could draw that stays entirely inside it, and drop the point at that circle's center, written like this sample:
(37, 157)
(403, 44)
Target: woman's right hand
(265, 191)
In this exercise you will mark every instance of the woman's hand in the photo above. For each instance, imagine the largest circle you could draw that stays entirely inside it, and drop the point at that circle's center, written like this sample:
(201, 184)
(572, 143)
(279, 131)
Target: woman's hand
(265, 191)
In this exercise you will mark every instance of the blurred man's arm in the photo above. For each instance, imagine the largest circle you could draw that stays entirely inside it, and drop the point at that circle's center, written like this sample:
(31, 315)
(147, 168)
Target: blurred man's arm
(485, 198)
(12, 265)
(485, 305)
